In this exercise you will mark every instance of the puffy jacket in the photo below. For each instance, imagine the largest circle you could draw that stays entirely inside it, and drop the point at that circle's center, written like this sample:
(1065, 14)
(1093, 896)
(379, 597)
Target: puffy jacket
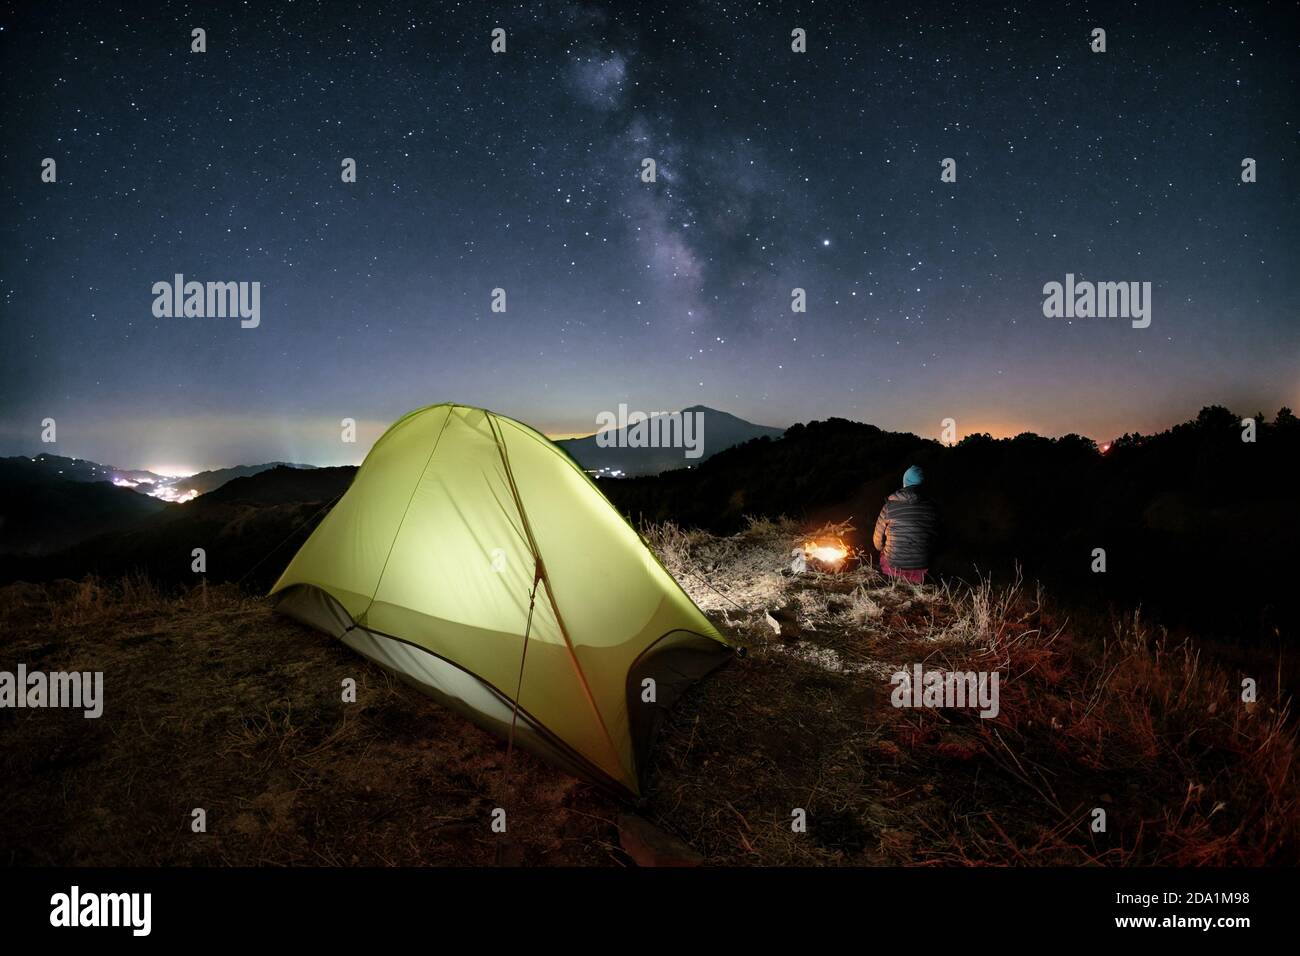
(907, 529)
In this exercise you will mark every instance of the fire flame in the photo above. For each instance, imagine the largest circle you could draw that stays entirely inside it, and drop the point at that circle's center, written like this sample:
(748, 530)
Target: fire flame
(826, 553)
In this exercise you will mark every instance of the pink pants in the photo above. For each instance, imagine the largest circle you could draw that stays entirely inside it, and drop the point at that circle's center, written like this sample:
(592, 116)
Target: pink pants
(911, 576)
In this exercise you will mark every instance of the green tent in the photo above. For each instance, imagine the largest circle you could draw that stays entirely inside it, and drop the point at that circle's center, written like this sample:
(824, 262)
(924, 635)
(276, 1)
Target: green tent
(462, 532)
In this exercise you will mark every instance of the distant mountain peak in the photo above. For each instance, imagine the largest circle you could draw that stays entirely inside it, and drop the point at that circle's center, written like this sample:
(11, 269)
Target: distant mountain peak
(628, 451)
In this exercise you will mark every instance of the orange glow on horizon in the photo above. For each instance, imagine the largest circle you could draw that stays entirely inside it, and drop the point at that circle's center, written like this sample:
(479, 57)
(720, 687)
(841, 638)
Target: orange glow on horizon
(567, 436)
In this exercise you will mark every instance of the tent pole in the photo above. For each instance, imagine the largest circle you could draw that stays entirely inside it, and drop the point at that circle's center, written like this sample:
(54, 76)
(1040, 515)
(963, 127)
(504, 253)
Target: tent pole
(519, 686)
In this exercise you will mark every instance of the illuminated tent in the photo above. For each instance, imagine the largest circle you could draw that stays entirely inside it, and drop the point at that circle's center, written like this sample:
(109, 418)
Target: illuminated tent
(459, 524)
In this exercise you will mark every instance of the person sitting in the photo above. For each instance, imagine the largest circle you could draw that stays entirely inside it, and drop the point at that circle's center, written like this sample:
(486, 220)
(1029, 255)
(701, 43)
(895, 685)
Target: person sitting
(906, 530)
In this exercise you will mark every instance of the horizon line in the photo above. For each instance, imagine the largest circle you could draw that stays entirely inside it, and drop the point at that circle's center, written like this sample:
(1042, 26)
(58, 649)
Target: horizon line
(174, 473)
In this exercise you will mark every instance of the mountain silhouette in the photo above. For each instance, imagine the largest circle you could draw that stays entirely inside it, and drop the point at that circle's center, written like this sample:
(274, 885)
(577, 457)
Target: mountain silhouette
(612, 453)
(41, 514)
(1181, 514)
(207, 481)
(61, 468)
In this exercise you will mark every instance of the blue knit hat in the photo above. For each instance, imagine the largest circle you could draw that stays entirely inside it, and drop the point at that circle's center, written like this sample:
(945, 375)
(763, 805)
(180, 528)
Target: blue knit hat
(913, 476)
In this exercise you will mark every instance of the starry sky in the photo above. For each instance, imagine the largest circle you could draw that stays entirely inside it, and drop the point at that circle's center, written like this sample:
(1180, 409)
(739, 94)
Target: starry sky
(521, 171)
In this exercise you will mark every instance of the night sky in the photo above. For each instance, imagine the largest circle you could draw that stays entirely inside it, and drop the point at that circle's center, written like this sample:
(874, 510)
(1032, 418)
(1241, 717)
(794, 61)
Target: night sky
(521, 171)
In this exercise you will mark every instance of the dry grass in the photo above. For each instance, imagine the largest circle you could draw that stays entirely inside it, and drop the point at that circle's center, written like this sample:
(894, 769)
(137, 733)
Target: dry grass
(1128, 722)
(214, 701)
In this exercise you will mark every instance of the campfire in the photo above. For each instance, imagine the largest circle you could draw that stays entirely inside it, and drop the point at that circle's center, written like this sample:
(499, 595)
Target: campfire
(822, 554)
(824, 550)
